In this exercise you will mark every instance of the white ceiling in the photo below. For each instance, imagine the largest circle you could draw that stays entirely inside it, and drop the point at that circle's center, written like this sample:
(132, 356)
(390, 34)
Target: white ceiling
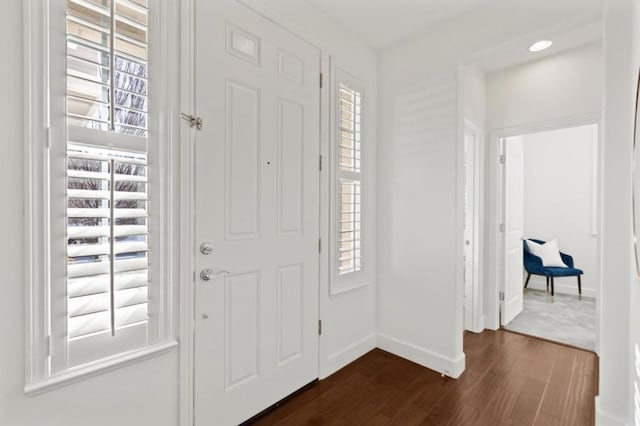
(514, 51)
(381, 23)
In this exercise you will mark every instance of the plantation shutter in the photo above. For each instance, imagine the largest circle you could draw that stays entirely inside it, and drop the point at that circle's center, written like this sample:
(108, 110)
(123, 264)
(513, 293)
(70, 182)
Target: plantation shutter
(107, 38)
(107, 167)
(107, 240)
(349, 180)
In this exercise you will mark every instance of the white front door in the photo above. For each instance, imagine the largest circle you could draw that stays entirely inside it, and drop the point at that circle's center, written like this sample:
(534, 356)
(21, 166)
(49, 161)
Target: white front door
(513, 225)
(257, 204)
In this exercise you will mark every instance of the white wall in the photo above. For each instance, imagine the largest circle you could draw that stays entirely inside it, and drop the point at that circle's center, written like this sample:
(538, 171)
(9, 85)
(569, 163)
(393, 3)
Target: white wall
(633, 395)
(619, 379)
(559, 191)
(474, 96)
(619, 397)
(568, 84)
(419, 191)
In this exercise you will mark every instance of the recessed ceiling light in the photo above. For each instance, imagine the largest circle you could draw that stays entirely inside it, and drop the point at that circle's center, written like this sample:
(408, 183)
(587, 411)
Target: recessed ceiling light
(540, 45)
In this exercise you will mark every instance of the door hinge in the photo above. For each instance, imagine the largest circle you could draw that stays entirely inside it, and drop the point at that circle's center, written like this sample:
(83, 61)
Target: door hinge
(47, 140)
(501, 296)
(319, 327)
(502, 227)
(47, 343)
(321, 81)
(319, 245)
(502, 159)
(320, 163)
(193, 120)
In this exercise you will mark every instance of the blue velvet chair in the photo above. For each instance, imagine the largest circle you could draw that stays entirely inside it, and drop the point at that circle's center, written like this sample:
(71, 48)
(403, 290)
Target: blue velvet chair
(533, 265)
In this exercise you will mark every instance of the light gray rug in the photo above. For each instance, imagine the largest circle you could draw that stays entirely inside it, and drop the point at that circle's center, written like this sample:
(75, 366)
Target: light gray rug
(563, 318)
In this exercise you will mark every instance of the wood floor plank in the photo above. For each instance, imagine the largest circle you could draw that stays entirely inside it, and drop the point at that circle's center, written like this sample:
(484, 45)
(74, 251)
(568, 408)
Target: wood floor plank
(557, 392)
(510, 380)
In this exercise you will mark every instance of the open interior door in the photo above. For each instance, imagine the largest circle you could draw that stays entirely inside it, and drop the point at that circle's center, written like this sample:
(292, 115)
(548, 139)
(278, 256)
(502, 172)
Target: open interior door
(512, 300)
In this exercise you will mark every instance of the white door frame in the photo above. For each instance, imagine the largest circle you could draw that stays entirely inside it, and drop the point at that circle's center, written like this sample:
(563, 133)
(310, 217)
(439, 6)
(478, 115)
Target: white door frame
(495, 209)
(186, 210)
(473, 302)
(186, 214)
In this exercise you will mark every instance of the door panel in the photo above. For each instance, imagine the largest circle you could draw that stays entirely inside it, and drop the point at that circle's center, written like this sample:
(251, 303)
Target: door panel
(257, 202)
(290, 167)
(513, 223)
(242, 189)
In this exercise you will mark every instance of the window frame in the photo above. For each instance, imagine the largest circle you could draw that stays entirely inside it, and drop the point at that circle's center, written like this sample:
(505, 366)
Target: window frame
(341, 283)
(45, 193)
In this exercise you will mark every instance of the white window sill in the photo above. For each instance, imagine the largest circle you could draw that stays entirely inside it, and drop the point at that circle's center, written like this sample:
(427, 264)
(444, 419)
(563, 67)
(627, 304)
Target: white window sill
(340, 289)
(98, 367)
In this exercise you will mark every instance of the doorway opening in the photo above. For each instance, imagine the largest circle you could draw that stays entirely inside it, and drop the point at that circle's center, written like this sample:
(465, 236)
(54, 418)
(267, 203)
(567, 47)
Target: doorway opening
(549, 232)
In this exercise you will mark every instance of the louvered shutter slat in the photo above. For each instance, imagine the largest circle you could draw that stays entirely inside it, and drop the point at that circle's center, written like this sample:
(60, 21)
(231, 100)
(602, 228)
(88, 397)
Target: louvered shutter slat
(79, 250)
(132, 279)
(88, 231)
(85, 269)
(87, 285)
(132, 314)
(134, 264)
(131, 230)
(122, 196)
(88, 324)
(131, 297)
(88, 194)
(88, 305)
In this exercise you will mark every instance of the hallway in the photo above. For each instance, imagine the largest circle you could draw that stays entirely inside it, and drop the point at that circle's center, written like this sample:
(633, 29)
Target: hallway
(510, 380)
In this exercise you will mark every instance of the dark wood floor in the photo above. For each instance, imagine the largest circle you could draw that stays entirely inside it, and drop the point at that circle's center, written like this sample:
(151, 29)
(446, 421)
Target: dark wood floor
(510, 379)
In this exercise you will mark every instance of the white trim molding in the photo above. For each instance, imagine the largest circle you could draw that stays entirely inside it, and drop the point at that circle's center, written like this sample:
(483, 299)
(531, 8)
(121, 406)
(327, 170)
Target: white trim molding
(35, 172)
(102, 366)
(339, 284)
(46, 364)
(606, 419)
(186, 213)
(444, 365)
(347, 355)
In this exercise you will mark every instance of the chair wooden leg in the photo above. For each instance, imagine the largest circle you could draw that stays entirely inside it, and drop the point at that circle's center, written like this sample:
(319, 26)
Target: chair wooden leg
(579, 285)
(526, 283)
(552, 290)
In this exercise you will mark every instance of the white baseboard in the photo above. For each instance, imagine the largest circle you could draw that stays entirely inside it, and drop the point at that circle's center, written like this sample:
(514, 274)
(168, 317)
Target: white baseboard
(606, 419)
(423, 356)
(479, 327)
(491, 324)
(347, 355)
(538, 283)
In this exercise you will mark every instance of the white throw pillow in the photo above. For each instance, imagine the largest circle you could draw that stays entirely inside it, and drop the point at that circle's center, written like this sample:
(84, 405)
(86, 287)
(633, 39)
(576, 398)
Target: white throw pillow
(548, 252)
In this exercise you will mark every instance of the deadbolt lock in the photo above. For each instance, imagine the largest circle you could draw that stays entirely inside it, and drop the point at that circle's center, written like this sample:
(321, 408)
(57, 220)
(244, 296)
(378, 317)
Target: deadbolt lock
(206, 248)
